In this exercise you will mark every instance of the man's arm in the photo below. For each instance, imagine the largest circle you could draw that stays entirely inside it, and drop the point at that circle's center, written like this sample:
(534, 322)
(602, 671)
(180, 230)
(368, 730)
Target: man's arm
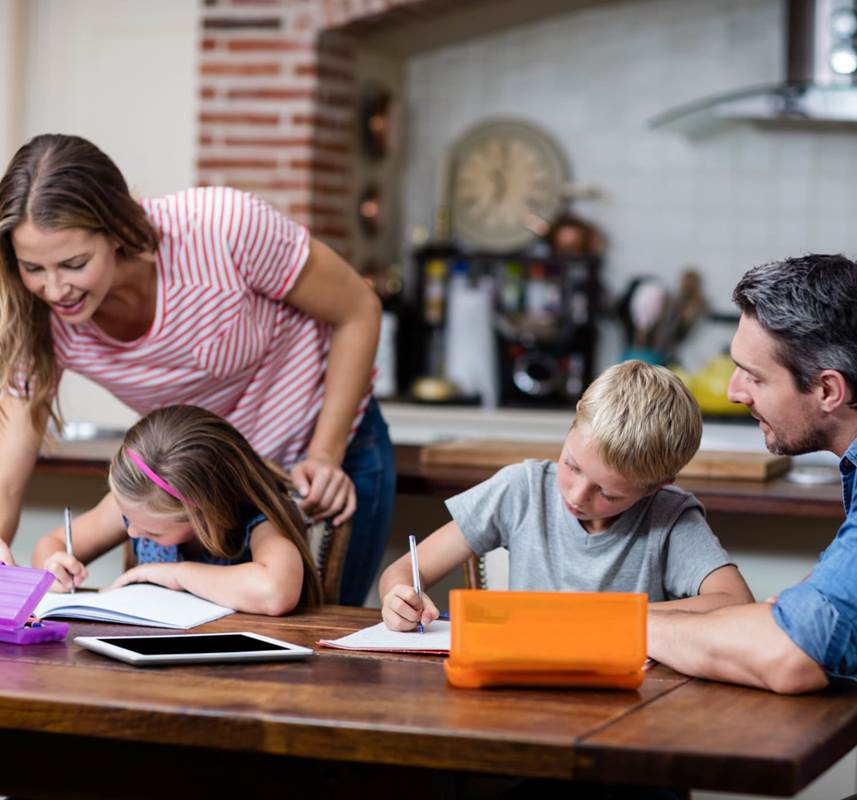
(739, 644)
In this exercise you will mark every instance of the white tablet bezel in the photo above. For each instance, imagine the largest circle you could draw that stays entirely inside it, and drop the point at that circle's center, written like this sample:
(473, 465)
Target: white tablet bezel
(98, 645)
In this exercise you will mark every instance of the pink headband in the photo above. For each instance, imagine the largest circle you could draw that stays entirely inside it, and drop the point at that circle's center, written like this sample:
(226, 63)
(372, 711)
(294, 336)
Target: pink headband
(155, 478)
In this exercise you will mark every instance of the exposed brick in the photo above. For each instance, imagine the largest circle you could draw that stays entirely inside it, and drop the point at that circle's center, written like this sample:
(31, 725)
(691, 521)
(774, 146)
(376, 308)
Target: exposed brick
(273, 186)
(331, 191)
(314, 165)
(236, 163)
(241, 23)
(277, 45)
(282, 93)
(238, 118)
(208, 44)
(322, 123)
(270, 141)
(207, 92)
(323, 71)
(221, 68)
(205, 140)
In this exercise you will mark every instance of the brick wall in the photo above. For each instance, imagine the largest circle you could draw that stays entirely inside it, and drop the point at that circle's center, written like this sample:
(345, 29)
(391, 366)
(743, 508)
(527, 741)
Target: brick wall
(277, 103)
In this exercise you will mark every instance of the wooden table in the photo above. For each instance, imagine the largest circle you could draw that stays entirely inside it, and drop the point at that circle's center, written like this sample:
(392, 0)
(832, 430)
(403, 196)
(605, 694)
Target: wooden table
(76, 724)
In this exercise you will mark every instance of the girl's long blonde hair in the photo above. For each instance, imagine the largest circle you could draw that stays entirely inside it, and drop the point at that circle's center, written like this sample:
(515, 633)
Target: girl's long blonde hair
(209, 463)
(55, 182)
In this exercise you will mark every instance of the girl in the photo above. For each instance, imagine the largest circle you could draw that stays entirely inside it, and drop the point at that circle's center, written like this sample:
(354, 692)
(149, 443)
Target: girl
(205, 514)
(208, 297)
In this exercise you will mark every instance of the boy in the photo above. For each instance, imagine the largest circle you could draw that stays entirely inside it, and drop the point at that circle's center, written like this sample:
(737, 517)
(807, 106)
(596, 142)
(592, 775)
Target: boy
(602, 518)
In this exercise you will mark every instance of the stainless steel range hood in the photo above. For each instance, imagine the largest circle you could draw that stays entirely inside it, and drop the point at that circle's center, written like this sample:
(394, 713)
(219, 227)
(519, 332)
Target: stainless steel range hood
(820, 85)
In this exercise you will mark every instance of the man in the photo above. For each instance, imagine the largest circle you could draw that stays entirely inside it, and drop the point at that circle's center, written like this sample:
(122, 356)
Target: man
(795, 354)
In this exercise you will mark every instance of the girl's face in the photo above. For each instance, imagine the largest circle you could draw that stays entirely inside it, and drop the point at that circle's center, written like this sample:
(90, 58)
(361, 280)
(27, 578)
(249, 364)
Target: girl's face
(161, 529)
(70, 269)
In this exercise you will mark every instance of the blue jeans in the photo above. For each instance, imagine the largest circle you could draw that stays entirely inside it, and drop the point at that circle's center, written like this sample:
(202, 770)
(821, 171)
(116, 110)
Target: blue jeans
(370, 464)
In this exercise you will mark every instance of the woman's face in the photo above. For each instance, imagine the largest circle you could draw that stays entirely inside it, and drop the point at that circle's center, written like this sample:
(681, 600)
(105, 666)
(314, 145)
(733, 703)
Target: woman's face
(71, 269)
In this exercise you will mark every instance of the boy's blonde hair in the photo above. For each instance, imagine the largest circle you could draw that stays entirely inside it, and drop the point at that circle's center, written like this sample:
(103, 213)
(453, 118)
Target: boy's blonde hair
(643, 420)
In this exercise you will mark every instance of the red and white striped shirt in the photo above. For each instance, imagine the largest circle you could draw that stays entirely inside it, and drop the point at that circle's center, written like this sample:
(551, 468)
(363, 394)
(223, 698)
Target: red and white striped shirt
(224, 336)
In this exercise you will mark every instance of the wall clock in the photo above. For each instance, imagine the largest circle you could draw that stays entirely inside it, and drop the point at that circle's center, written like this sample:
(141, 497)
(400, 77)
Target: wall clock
(506, 182)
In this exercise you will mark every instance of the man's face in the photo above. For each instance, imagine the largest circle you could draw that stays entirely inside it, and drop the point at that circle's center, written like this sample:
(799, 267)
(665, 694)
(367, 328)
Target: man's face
(789, 419)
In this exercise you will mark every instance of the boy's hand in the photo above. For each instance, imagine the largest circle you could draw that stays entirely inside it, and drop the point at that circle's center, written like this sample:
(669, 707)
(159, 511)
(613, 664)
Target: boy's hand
(165, 574)
(68, 571)
(402, 610)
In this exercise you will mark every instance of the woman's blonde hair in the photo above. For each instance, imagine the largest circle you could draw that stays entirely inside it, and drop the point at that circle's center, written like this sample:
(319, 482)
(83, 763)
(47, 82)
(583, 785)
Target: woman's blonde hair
(55, 182)
(222, 478)
(643, 420)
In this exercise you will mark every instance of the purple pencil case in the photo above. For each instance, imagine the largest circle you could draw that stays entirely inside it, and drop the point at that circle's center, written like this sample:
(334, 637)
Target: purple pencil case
(21, 588)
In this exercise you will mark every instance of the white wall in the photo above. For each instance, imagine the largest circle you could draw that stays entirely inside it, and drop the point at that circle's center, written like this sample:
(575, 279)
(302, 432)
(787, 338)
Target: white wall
(121, 73)
(592, 78)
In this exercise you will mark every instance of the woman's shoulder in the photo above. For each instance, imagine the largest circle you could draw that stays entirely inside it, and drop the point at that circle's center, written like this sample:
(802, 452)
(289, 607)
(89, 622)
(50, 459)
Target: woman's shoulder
(200, 204)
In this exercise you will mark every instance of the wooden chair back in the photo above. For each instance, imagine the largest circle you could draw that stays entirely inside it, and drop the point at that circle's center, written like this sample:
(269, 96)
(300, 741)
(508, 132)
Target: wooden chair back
(488, 571)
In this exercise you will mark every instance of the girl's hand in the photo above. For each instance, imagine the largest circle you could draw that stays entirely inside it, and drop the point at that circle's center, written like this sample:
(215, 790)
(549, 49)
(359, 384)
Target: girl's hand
(69, 572)
(325, 488)
(401, 610)
(165, 575)
(6, 554)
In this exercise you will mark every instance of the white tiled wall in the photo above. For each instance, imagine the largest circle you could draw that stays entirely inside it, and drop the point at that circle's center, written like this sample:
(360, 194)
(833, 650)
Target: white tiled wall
(592, 78)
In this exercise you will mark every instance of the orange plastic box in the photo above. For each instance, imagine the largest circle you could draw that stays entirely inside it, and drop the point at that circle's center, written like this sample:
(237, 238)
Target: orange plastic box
(594, 639)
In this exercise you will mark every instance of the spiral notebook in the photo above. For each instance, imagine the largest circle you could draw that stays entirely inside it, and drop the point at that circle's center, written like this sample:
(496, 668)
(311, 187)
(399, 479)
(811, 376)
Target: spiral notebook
(136, 604)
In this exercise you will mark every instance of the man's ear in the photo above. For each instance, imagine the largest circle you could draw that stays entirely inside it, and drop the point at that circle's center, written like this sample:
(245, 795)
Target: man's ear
(832, 390)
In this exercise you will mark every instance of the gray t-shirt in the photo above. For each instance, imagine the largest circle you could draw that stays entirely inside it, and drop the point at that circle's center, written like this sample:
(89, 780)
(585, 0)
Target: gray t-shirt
(661, 545)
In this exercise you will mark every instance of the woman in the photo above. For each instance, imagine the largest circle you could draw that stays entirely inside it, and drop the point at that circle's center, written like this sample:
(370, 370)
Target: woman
(206, 297)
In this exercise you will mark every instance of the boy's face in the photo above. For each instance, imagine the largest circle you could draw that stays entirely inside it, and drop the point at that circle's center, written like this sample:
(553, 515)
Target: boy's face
(590, 490)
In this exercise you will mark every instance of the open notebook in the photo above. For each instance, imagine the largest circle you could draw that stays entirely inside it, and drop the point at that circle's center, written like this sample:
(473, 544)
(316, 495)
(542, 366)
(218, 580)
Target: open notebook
(136, 604)
(381, 639)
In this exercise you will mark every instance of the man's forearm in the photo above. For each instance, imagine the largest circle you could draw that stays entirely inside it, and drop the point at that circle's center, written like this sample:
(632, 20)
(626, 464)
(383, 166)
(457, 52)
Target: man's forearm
(739, 644)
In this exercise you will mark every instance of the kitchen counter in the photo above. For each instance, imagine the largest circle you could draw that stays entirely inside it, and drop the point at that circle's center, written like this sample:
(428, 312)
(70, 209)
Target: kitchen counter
(413, 426)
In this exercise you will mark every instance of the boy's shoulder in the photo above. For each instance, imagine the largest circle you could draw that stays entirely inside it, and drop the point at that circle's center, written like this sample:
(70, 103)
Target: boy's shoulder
(530, 470)
(669, 502)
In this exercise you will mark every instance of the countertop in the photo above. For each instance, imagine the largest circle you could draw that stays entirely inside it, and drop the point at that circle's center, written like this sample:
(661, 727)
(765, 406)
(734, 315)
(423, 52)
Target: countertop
(413, 426)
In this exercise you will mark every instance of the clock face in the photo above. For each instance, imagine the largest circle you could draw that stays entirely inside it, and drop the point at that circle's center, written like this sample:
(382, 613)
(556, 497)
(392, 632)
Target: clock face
(507, 176)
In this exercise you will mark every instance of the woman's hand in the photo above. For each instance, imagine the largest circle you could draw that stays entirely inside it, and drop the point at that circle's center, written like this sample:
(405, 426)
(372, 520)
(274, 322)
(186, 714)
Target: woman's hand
(68, 571)
(402, 610)
(326, 490)
(166, 575)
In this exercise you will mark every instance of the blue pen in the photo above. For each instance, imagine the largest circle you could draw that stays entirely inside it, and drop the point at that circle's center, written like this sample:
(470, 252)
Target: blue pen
(415, 575)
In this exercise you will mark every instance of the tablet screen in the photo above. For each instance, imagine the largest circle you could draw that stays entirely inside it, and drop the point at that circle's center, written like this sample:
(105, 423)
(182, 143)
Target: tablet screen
(193, 644)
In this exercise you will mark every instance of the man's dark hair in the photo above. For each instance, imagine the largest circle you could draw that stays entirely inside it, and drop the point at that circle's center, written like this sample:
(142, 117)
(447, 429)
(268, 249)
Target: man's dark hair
(809, 306)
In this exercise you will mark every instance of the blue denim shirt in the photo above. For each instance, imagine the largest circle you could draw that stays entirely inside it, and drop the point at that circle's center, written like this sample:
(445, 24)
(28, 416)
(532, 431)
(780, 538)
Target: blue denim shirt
(820, 614)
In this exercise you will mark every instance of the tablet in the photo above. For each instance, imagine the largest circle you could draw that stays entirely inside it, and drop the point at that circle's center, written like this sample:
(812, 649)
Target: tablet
(191, 648)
